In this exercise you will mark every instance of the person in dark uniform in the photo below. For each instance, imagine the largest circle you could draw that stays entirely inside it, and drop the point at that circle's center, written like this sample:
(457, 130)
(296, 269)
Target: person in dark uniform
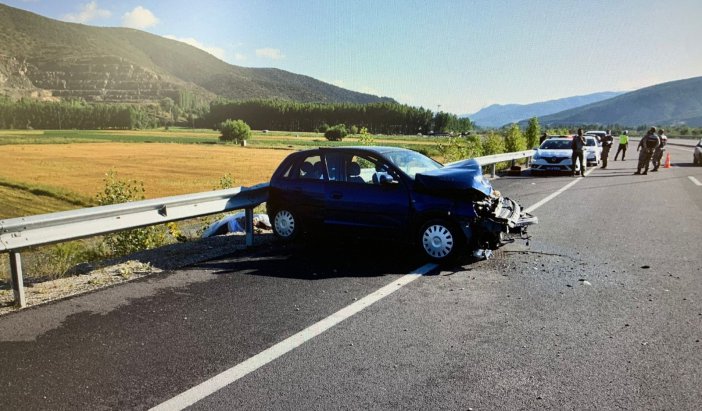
(607, 141)
(578, 146)
(543, 138)
(647, 145)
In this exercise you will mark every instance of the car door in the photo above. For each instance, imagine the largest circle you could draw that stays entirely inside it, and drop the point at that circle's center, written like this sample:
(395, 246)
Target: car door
(357, 200)
(301, 189)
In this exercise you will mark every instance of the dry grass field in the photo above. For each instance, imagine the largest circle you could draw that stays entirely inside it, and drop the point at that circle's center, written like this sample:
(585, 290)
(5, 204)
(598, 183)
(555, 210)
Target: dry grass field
(165, 169)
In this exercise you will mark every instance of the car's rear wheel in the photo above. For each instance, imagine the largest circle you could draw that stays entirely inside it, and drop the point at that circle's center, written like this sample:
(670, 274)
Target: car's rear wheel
(285, 224)
(440, 240)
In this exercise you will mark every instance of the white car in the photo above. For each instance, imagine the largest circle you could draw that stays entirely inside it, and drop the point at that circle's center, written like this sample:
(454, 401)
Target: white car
(697, 154)
(593, 150)
(555, 155)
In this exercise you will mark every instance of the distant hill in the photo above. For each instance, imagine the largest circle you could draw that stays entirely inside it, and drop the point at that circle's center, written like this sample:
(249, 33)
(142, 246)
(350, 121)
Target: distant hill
(498, 115)
(50, 59)
(675, 102)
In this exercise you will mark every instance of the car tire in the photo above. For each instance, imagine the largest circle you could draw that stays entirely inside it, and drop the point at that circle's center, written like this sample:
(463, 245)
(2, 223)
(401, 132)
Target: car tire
(439, 240)
(286, 225)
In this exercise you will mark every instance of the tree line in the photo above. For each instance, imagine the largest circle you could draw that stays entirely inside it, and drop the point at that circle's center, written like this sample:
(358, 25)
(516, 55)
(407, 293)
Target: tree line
(377, 118)
(33, 114)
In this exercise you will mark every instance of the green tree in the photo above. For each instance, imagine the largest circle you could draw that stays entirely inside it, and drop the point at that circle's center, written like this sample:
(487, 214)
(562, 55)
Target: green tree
(493, 143)
(234, 130)
(532, 133)
(336, 133)
(514, 139)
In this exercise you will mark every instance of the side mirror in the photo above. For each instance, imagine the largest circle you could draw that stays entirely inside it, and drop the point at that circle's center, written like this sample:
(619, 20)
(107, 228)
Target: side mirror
(383, 178)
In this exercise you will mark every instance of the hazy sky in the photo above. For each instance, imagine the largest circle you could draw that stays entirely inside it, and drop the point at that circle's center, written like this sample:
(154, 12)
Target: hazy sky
(458, 56)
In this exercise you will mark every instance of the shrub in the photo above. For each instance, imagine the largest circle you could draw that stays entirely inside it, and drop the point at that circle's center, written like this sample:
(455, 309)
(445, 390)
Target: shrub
(514, 139)
(336, 133)
(366, 138)
(493, 144)
(234, 130)
(125, 242)
(459, 149)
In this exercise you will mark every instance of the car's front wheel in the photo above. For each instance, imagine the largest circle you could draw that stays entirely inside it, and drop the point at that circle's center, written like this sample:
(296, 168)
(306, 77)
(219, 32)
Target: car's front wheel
(285, 224)
(440, 240)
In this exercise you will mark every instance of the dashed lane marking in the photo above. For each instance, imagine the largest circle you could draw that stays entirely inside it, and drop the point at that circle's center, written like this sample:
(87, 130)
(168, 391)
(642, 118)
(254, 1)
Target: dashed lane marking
(557, 193)
(694, 180)
(220, 381)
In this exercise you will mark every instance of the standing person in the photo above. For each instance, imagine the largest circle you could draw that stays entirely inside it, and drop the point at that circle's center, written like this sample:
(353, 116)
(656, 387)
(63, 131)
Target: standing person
(607, 141)
(543, 138)
(578, 146)
(623, 144)
(658, 153)
(647, 146)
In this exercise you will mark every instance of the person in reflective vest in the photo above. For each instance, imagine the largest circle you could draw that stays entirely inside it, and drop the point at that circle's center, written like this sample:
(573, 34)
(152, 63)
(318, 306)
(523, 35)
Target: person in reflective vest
(623, 144)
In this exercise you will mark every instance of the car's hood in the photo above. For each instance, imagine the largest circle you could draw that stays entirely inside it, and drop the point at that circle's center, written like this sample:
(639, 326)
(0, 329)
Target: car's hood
(554, 153)
(464, 175)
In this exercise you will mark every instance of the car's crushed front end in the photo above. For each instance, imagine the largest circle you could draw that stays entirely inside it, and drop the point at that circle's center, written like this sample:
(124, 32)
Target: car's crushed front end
(491, 220)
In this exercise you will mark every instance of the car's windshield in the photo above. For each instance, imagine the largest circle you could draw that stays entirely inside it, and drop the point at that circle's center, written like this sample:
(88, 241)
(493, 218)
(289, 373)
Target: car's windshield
(556, 145)
(411, 162)
(591, 142)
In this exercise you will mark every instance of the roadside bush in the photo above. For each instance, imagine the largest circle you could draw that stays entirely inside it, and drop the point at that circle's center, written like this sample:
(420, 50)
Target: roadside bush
(514, 139)
(457, 148)
(234, 131)
(125, 242)
(336, 133)
(493, 143)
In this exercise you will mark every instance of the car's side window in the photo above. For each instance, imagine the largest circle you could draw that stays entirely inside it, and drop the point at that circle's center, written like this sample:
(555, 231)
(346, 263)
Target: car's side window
(311, 168)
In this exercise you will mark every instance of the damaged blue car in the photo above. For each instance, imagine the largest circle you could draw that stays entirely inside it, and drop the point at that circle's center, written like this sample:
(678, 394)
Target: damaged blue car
(392, 193)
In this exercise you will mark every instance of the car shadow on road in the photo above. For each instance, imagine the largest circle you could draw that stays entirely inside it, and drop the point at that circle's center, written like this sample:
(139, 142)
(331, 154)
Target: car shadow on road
(317, 259)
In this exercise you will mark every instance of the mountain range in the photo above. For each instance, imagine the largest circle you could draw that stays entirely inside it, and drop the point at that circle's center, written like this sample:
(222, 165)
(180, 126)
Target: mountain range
(50, 59)
(497, 115)
(674, 102)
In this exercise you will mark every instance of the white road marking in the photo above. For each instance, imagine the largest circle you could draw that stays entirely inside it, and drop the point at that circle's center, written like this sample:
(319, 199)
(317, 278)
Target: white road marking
(240, 370)
(694, 180)
(557, 193)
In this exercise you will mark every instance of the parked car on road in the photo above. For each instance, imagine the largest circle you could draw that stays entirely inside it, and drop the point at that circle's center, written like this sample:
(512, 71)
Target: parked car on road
(395, 193)
(593, 150)
(697, 154)
(599, 134)
(554, 155)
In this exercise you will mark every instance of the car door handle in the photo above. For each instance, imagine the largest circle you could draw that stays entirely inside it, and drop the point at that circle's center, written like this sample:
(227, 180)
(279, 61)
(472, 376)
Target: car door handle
(337, 195)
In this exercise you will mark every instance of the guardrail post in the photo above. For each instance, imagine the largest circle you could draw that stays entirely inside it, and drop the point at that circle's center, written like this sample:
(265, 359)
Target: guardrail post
(493, 170)
(17, 281)
(248, 214)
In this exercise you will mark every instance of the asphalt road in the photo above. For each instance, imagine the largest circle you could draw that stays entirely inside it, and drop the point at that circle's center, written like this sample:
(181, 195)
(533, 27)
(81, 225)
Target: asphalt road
(601, 310)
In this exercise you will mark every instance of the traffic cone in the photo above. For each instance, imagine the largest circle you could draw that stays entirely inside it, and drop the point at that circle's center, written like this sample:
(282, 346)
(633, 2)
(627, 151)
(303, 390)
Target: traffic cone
(667, 161)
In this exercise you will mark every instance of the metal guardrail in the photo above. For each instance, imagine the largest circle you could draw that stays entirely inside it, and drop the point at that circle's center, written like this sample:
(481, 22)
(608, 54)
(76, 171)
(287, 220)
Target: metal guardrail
(23, 232)
(498, 158)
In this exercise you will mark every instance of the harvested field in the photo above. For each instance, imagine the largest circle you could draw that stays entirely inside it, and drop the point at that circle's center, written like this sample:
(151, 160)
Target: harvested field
(165, 169)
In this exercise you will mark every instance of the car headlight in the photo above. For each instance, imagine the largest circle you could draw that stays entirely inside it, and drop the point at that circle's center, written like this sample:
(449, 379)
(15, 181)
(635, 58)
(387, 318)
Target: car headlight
(536, 156)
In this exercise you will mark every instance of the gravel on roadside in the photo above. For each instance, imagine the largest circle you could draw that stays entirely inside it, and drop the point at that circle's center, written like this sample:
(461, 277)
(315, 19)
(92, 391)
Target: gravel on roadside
(94, 276)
